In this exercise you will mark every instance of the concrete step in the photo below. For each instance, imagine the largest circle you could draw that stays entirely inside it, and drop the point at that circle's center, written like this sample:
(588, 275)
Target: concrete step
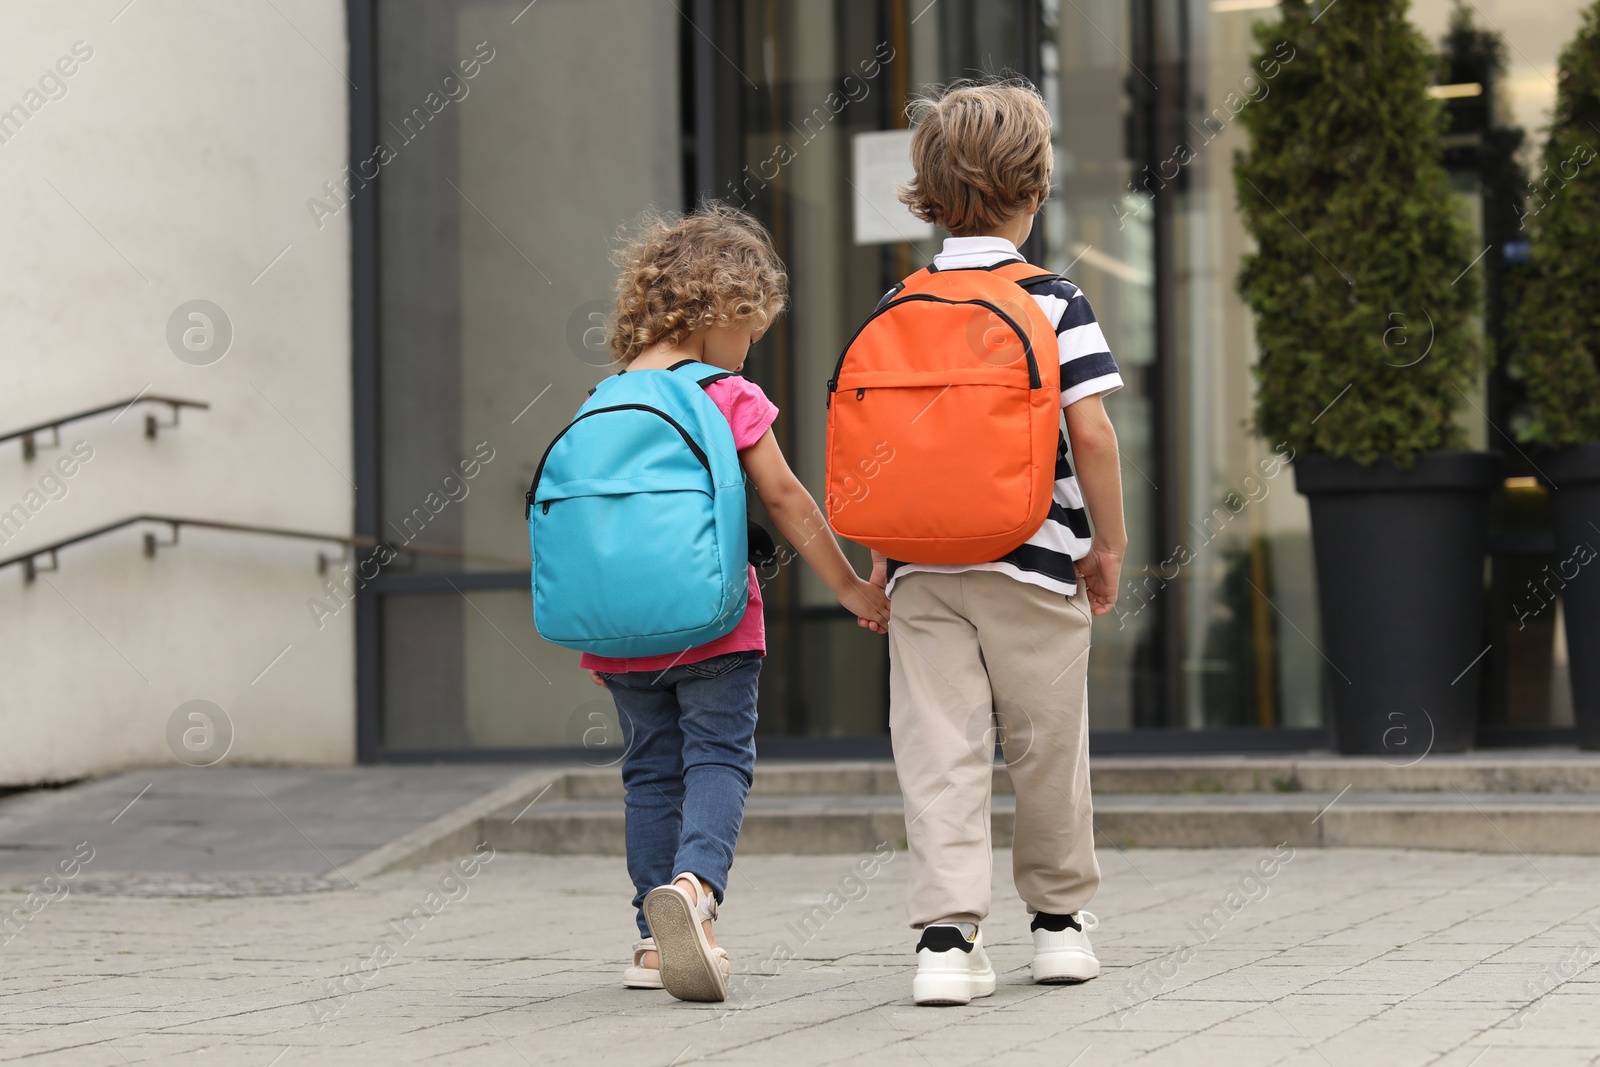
(1546, 771)
(774, 823)
(1531, 801)
(1521, 771)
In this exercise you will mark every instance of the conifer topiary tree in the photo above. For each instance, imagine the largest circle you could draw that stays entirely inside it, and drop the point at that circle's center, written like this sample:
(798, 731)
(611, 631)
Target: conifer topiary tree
(1559, 319)
(1361, 260)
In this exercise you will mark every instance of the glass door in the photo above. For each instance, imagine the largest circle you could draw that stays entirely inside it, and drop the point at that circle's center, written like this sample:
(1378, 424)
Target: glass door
(507, 157)
(813, 147)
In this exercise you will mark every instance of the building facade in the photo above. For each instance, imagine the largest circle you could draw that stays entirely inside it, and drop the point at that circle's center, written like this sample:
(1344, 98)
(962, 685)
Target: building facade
(404, 211)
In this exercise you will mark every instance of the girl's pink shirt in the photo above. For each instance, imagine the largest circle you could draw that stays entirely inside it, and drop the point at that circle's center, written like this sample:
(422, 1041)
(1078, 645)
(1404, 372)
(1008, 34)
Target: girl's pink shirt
(751, 414)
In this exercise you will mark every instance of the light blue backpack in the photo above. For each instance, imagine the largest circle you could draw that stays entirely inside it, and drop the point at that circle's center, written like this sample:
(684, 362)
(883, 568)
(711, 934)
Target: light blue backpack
(636, 519)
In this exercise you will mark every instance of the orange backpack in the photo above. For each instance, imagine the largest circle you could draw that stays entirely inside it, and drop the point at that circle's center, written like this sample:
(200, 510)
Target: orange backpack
(943, 417)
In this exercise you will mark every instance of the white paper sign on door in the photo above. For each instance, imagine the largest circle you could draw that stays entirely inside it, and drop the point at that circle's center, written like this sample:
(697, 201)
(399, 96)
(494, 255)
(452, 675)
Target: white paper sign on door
(881, 160)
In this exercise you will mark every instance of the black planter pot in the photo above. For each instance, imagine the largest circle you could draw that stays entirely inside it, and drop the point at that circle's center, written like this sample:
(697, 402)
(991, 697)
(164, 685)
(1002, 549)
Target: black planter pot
(1400, 582)
(1574, 473)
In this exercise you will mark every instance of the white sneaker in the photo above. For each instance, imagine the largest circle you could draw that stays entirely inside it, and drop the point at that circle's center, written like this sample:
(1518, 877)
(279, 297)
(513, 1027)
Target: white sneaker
(952, 967)
(1065, 955)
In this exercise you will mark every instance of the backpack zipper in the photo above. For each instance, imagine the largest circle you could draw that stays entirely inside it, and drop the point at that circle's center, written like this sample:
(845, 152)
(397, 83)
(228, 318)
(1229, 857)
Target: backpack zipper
(1034, 381)
(699, 453)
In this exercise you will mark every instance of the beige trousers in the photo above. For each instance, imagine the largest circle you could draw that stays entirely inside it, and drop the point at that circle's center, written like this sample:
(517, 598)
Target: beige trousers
(975, 657)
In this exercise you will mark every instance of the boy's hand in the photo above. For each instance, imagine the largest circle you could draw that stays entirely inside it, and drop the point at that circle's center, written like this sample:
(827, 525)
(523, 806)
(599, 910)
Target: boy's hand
(871, 607)
(594, 676)
(880, 571)
(1101, 571)
(1098, 463)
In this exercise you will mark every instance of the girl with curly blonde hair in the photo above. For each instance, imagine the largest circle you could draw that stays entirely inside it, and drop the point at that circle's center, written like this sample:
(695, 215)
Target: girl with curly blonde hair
(705, 287)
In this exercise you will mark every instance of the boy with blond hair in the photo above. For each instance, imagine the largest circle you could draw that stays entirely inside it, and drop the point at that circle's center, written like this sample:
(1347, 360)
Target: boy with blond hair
(1001, 648)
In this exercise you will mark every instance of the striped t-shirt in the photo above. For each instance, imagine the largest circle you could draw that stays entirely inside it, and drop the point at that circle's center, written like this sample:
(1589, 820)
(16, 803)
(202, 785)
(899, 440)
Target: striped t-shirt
(1046, 558)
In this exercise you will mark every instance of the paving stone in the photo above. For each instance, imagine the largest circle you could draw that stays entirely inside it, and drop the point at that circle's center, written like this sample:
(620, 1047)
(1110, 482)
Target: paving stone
(1377, 957)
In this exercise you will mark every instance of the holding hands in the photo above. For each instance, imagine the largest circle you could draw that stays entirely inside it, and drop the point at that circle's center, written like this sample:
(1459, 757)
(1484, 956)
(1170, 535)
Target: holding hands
(866, 599)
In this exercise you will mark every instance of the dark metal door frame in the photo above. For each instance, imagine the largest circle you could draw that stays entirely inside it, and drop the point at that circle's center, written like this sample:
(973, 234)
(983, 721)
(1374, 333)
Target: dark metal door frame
(364, 369)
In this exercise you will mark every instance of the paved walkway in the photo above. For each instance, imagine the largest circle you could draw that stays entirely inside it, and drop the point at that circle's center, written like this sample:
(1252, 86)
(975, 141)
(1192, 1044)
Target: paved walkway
(224, 830)
(1339, 957)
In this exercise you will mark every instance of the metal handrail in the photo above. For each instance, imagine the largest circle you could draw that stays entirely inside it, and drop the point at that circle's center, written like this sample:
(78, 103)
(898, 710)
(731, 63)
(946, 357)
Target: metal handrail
(151, 426)
(31, 569)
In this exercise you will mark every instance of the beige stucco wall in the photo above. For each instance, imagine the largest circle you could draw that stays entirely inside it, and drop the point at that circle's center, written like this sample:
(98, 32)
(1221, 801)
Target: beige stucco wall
(175, 163)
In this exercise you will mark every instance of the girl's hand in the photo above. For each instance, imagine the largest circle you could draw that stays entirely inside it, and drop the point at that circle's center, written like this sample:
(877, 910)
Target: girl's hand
(594, 676)
(871, 607)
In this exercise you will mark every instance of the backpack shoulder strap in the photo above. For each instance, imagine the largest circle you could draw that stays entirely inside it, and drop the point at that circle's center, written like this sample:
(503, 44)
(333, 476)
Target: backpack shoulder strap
(1025, 274)
(918, 281)
(603, 381)
(703, 374)
(1017, 271)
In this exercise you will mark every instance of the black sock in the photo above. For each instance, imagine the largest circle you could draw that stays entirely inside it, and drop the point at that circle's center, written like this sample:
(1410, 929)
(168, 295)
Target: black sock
(1043, 920)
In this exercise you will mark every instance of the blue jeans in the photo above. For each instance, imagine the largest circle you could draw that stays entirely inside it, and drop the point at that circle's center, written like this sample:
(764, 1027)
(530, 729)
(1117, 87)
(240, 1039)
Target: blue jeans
(691, 754)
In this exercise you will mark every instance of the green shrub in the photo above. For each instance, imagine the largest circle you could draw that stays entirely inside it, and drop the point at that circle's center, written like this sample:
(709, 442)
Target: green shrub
(1361, 260)
(1558, 321)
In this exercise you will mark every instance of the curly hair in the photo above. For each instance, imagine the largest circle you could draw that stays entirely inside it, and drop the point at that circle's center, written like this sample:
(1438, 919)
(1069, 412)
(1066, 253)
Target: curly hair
(982, 153)
(713, 267)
